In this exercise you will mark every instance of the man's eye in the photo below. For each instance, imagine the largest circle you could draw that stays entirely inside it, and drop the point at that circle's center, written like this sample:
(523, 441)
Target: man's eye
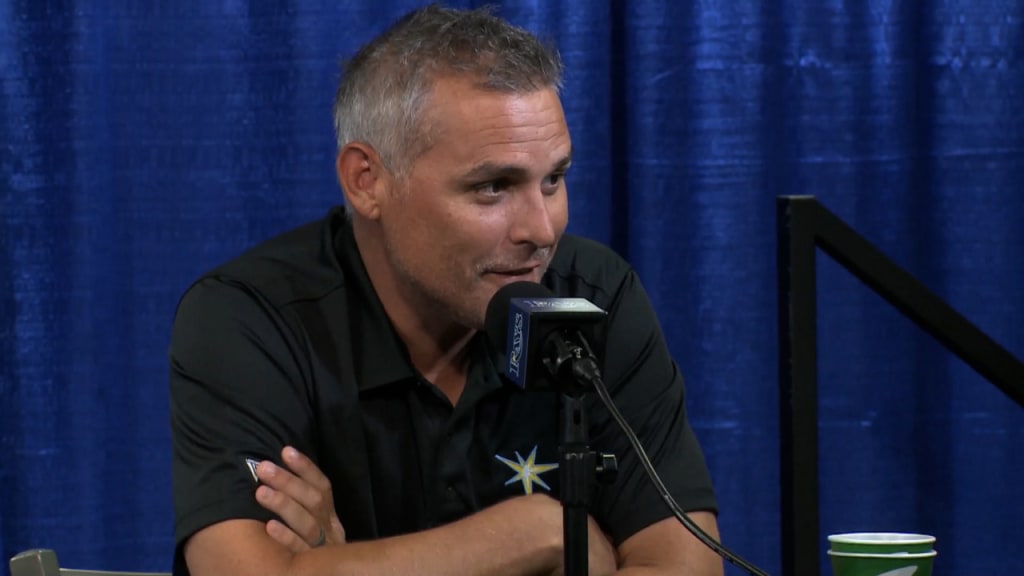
(552, 182)
(492, 188)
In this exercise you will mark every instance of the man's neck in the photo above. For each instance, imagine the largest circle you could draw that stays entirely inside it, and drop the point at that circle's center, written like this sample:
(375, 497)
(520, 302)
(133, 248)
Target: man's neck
(437, 347)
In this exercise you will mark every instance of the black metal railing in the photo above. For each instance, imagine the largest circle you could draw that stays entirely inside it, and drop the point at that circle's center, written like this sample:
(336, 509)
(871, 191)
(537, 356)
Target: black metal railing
(804, 225)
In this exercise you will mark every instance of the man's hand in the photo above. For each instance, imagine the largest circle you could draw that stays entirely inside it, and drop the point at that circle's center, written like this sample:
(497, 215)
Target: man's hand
(602, 559)
(301, 496)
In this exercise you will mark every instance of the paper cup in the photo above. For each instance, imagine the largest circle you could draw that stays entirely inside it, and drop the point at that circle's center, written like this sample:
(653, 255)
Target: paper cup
(881, 542)
(894, 564)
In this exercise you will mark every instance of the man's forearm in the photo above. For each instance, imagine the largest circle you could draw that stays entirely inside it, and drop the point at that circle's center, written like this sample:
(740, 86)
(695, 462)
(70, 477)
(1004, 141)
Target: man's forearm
(485, 544)
(700, 567)
(518, 537)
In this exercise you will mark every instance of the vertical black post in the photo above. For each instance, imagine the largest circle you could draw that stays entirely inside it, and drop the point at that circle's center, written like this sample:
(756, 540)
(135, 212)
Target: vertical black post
(798, 388)
(577, 476)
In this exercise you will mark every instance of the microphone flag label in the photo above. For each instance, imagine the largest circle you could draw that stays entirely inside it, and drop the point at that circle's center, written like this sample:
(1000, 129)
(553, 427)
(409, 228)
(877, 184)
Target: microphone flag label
(536, 317)
(518, 334)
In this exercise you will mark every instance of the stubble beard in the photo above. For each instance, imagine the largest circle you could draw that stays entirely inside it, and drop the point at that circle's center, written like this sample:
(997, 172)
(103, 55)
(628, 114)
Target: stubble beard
(448, 303)
(442, 304)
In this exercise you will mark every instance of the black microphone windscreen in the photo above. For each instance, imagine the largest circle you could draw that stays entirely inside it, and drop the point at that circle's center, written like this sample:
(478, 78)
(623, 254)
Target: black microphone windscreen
(496, 320)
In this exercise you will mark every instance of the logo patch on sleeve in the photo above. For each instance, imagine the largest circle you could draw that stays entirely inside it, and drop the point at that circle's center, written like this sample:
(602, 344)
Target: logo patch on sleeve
(251, 464)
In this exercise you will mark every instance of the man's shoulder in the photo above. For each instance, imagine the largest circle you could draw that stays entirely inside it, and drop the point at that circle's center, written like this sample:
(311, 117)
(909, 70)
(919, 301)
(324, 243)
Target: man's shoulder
(298, 264)
(585, 268)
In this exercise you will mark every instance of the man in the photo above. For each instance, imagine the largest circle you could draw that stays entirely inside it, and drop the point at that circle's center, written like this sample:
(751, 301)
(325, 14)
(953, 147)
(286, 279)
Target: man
(334, 406)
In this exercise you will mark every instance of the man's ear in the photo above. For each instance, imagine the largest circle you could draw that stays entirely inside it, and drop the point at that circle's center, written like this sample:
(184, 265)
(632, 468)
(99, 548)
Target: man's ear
(363, 178)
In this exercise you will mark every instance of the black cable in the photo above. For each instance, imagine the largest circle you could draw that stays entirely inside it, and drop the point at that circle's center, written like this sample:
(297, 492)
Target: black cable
(586, 369)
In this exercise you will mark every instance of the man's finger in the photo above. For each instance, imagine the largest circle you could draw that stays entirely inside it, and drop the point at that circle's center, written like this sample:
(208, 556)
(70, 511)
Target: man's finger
(295, 518)
(296, 488)
(337, 532)
(304, 500)
(283, 535)
(301, 465)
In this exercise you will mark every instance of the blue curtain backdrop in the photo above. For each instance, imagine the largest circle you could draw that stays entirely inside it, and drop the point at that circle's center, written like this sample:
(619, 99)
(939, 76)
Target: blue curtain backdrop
(142, 143)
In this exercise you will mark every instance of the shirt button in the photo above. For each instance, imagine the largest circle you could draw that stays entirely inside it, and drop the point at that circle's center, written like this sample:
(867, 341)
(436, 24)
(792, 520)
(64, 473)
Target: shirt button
(451, 491)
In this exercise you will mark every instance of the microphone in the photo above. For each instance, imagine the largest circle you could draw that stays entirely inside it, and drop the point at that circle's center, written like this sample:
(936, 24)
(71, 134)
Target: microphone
(543, 341)
(546, 342)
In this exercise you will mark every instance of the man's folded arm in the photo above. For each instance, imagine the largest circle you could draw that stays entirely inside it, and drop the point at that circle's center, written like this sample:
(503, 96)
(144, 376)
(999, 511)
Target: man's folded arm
(667, 548)
(237, 390)
(516, 537)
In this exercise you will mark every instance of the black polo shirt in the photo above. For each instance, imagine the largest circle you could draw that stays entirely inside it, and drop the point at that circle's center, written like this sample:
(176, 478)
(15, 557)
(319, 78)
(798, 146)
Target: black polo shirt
(289, 344)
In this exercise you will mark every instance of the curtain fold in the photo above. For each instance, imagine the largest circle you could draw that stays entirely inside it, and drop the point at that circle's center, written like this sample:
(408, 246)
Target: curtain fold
(144, 144)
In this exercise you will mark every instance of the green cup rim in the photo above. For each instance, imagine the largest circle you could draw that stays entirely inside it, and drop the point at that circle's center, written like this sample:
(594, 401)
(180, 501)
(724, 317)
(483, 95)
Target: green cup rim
(899, 555)
(877, 538)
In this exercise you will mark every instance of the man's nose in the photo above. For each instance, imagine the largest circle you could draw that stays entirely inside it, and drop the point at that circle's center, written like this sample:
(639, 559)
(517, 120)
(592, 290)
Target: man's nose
(533, 220)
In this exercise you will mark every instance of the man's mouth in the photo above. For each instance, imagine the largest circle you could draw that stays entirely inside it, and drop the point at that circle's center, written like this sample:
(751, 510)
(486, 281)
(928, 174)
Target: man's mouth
(525, 273)
(515, 271)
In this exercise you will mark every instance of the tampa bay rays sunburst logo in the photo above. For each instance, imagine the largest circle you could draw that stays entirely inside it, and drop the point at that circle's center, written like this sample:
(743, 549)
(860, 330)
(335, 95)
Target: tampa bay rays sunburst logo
(527, 471)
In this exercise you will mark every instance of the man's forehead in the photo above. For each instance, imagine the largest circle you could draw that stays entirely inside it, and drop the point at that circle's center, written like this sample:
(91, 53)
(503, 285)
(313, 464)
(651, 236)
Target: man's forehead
(468, 126)
(516, 166)
(457, 104)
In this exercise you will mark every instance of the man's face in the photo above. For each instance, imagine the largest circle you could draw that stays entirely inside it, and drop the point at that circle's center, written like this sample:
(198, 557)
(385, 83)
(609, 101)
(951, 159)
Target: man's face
(485, 205)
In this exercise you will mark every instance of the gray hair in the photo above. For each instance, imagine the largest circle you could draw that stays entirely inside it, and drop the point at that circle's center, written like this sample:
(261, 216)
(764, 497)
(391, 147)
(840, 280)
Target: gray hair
(385, 86)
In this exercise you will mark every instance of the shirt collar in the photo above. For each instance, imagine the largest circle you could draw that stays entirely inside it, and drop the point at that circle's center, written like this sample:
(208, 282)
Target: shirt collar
(380, 355)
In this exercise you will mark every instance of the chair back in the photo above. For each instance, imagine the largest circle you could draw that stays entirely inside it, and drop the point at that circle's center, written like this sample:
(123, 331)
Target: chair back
(40, 562)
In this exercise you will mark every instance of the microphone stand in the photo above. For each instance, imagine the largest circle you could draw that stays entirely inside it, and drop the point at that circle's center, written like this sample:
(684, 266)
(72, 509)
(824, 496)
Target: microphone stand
(577, 471)
(579, 467)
